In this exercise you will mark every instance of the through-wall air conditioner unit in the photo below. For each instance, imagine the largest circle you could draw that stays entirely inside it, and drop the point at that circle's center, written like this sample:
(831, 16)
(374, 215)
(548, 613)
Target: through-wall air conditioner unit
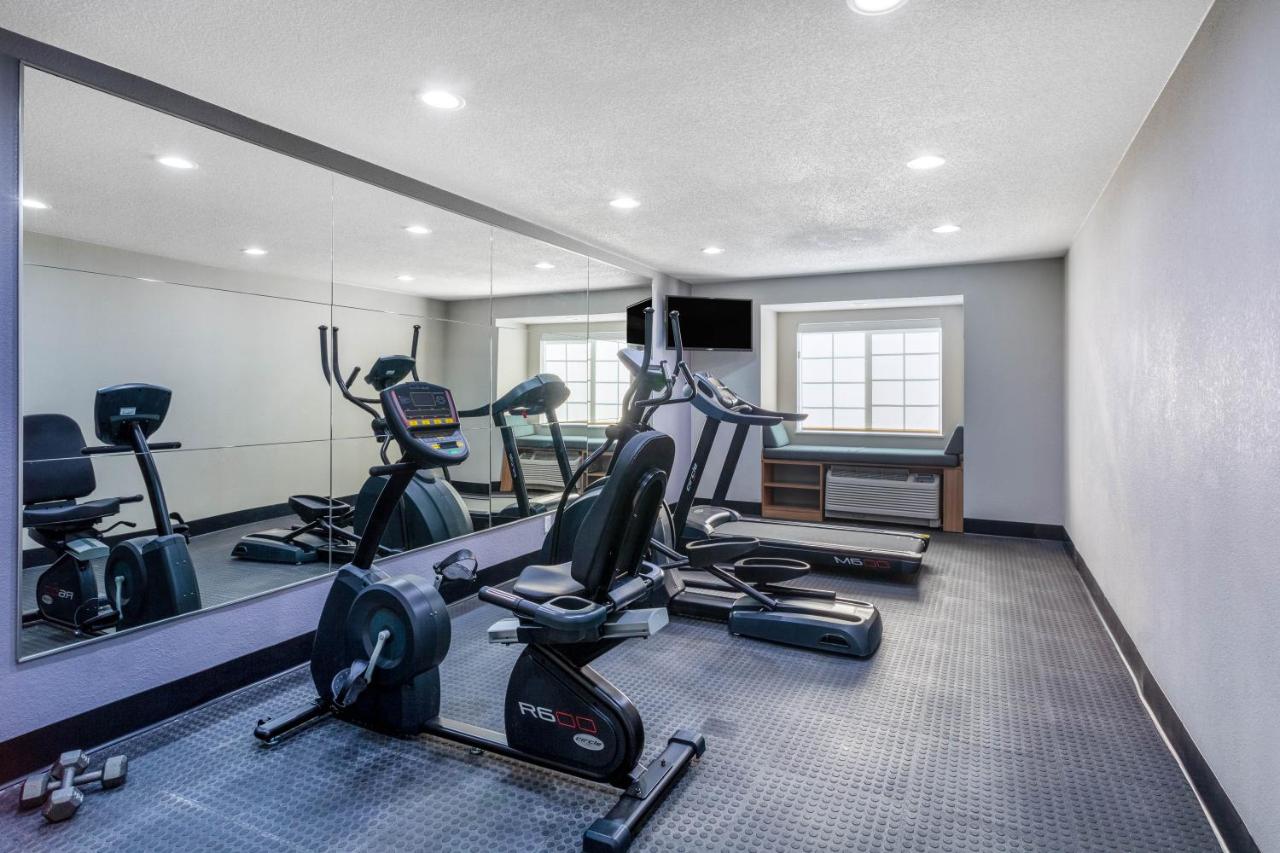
(541, 471)
(884, 494)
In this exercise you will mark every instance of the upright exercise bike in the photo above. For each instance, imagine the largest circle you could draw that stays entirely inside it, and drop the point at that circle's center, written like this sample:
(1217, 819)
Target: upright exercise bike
(381, 639)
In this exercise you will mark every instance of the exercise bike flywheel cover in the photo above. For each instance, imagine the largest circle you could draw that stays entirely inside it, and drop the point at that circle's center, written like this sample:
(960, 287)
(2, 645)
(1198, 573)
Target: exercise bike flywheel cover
(414, 614)
(133, 591)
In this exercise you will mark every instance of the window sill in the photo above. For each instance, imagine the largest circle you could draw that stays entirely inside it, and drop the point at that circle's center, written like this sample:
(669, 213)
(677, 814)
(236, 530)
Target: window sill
(869, 432)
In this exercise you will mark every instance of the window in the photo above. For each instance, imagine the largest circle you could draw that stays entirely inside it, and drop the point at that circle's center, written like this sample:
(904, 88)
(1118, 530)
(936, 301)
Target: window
(878, 380)
(591, 369)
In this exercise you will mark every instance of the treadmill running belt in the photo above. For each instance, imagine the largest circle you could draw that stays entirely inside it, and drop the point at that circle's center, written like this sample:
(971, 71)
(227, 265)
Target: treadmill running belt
(824, 537)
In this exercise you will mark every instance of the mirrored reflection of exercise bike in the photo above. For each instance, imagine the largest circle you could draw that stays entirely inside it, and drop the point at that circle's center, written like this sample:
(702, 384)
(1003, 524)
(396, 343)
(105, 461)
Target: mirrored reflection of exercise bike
(147, 578)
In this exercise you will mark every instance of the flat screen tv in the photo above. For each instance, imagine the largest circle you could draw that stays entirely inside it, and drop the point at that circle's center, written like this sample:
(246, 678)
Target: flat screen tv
(635, 322)
(712, 324)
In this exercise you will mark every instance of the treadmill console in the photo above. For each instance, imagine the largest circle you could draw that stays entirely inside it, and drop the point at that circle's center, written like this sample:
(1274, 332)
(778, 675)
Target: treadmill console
(722, 393)
(424, 421)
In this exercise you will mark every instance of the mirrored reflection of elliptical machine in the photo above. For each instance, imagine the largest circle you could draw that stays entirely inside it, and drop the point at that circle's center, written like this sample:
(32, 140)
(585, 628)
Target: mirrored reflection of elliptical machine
(430, 512)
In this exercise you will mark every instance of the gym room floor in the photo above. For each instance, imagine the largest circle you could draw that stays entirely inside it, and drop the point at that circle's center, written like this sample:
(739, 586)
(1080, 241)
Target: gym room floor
(997, 716)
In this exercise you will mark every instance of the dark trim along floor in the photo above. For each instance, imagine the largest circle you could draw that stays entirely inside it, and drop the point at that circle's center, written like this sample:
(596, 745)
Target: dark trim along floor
(1221, 810)
(33, 750)
(1020, 529)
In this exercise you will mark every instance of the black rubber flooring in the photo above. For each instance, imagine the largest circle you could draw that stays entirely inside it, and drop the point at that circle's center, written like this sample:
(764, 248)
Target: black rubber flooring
(997, 716)
(222, 579)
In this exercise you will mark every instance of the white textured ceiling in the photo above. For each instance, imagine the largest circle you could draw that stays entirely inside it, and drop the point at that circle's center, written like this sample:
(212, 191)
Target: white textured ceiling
(777, 130)
(91, 158)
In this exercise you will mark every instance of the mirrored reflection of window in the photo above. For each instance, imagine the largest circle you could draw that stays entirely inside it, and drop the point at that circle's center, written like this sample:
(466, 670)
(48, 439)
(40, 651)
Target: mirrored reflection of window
(591, 369)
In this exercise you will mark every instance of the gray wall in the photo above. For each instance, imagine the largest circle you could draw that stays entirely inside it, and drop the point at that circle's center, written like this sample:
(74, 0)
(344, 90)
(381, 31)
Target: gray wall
(1013, 375)
(1173, 399)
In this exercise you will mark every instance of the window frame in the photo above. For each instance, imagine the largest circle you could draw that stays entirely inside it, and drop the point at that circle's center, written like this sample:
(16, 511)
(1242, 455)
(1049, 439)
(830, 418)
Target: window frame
(591, 341)
(868, 329)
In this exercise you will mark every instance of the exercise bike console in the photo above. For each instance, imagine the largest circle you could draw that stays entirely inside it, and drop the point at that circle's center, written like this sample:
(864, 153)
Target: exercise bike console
(424, 421)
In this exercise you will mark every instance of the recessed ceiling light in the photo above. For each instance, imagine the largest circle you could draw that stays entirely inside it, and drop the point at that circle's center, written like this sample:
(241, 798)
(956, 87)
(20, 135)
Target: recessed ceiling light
(417, 229)
(874, 7)
(624, 202)
(544, 265)
(174, 162)
(254, 250)
(34, 204)
(441, 100)
(928, 161)
(946, 229)
(404, 278)
(713, 250)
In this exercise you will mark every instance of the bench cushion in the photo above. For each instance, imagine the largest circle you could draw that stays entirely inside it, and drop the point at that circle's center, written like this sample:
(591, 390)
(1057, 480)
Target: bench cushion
(863, 455)
(573, 442)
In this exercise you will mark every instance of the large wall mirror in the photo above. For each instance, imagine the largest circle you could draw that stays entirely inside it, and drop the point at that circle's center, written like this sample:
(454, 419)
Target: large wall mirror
(205, 328)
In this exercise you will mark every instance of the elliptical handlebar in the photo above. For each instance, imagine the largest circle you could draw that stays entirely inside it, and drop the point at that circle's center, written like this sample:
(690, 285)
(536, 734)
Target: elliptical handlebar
(413, 353)
(333, 374)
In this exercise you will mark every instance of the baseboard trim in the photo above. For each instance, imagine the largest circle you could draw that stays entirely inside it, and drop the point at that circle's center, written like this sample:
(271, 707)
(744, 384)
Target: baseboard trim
(34, 750)
(41, 556)
(1019, 529)
(1216, 801)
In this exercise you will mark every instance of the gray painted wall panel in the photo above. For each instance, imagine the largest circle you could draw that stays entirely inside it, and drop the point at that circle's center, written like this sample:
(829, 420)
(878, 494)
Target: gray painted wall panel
(1173, 390)
(1013, 375)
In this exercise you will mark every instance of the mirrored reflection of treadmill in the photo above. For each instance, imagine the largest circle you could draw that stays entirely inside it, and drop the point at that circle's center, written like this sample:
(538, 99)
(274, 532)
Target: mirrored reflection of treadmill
(826, 547)
(538, 395)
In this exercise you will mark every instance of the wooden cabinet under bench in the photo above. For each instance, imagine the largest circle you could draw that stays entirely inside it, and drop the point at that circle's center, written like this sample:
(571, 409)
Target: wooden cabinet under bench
(796, 490)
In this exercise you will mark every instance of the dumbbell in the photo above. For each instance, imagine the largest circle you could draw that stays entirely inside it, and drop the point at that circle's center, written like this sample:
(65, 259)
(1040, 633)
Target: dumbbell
(57, 787)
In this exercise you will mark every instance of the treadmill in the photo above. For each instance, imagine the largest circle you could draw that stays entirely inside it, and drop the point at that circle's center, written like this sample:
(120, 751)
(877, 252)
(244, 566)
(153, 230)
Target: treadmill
(538, 395)
(827, 547)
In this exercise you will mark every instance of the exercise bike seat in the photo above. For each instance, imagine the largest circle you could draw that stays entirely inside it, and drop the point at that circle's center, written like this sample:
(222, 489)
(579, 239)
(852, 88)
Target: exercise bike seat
(540, 584)
(49, 515)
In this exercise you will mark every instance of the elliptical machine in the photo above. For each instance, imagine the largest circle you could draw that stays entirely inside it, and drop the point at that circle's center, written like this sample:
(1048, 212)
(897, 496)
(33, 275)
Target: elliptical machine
(431, 510)
(381, 639)
(724, 578)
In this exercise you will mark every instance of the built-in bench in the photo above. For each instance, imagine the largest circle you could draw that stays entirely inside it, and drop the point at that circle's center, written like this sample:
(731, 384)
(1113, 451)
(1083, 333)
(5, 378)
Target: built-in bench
(794, 476)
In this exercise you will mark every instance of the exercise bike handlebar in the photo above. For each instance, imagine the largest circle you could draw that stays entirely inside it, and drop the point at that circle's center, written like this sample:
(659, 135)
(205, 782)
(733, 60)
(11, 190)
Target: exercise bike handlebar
(590, 615)
(126, 448)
